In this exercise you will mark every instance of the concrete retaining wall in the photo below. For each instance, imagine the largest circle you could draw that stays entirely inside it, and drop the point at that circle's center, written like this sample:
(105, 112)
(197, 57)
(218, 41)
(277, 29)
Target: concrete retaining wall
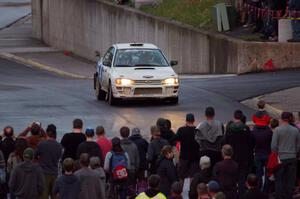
(83, 26)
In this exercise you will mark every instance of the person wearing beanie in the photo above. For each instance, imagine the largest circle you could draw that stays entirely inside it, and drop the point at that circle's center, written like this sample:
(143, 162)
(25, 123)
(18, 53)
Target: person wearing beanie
(286, 143)
(203, 176)
(71, 141)
(142, 146)
(213, 188)
(48, 154)
(27, 178)
(90, 146)
(67, 186)
(189, 148)
(261, 117)
(226, 173)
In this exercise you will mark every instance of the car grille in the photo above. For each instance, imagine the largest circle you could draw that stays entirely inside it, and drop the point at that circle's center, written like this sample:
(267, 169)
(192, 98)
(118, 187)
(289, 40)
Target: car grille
(147, 82)
(147, 91)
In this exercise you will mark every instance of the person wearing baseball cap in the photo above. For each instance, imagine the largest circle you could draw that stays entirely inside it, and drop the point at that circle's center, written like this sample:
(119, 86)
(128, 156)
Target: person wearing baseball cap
(286, 142)
(27, 178)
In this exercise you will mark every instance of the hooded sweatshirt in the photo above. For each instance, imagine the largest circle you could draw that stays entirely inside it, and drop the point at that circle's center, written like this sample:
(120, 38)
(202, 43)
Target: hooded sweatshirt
(133, 153)
(142, 146)
(91, 148)
(151, 193)
(27, 181)
(209, 135)
(261, 118)
(67, 186)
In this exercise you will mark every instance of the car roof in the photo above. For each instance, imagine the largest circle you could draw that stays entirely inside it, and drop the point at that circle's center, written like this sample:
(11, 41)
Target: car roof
(134, 46)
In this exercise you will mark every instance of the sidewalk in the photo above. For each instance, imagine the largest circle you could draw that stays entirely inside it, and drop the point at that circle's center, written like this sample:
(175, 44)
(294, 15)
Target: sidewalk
(285, 100)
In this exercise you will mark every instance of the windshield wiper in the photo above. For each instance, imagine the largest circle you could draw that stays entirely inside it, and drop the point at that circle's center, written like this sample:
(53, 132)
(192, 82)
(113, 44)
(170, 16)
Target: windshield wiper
(123, 65)
(146, 65)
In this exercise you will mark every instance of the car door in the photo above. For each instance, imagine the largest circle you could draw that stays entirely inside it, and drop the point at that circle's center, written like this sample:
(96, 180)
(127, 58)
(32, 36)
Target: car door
(105, 69)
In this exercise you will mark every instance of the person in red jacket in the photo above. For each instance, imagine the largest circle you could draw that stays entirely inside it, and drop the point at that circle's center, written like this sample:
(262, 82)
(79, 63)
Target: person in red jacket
(261, 117)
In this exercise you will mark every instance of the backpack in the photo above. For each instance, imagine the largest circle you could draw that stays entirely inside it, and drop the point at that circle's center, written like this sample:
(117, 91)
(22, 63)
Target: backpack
(118, 167)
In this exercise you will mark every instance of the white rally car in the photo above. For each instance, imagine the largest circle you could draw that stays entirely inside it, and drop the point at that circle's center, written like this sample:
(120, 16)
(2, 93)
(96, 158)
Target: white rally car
(135, 71)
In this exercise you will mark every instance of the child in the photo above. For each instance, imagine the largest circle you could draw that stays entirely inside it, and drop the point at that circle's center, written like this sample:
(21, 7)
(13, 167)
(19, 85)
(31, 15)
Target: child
(176, 191)
(202, 191)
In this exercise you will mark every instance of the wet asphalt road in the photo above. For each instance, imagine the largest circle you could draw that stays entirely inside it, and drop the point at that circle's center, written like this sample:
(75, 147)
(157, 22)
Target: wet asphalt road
(28, 94)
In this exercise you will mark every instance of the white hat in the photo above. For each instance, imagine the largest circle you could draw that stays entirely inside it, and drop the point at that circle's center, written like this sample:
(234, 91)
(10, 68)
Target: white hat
(204, 162)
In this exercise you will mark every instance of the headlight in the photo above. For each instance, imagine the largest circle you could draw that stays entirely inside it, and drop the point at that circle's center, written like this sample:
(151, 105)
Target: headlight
(171, 81)
(124, 82)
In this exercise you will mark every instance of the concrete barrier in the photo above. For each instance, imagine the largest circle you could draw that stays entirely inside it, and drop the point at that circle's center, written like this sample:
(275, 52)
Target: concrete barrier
(83, 26)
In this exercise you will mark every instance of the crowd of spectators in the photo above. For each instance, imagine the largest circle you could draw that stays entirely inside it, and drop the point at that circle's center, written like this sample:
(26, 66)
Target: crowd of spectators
(233, 161)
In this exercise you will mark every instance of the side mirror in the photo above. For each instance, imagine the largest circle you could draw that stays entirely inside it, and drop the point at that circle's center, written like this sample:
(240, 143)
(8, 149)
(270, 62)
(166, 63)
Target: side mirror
(173, 63)
(97, 53)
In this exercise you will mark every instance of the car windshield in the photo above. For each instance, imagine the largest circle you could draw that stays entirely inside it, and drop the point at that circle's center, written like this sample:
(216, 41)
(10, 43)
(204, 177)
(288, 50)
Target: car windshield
(139, 57)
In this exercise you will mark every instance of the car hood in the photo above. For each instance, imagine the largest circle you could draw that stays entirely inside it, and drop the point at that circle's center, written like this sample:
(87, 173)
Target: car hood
(137, 73)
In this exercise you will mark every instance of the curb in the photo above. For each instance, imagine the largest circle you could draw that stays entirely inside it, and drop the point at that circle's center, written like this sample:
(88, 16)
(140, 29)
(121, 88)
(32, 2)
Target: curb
(252, 103)
(31, 63)
(14, 4)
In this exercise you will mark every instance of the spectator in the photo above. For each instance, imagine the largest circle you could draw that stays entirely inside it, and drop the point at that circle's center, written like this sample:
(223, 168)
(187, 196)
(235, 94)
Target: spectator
(89, 146)
(202, 191)
(71, 141)
(274, 123)
(142, 146)
(213, 188)
(262, 150)
(203, 176)
(16, 156)
(37, 134)
(294, 8)
(209, 136)
(154, 148)
(27, 178)
(167, 170)
(3, 186)
(227, 173)
(254, 192)
(95, 164)
(48, 154)
(165, 130)
(176, 191)
(153, 190)
(242, 141)
(261, 117)
(189, 149)
(103, 142)
(286, 142)
(117, 159)
(67, 186)
(8, 143)
(298, 124)
(90, 183)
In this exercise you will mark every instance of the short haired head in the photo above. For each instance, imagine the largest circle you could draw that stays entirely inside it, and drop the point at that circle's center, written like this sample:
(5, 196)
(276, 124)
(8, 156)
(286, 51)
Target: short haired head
(227, 150)
(205, 162)
(210, 112)
(286, 116)
(100, 131)
(168, 124)
(190, 117)
(155, 130)
(274, 123)
(153, 181)
(124, 132)
(213, 186)
(51, 131)
(166, 150)
(116, 144)
(95, 162)
(35, 129)
(177, 187)
(161, 123)
(202, 188)
(252, 180)
(84, 159)
(8, 131)
(135, 131)
(68, 164)
(28, 154)
(261, 104)
(238, 115)
(89, 132)
(77, 124)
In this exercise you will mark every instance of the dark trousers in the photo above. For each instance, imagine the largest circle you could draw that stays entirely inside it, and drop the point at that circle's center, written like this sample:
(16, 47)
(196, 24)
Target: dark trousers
(244, 170)
(48, 186)
(261, 172)
(285, 178)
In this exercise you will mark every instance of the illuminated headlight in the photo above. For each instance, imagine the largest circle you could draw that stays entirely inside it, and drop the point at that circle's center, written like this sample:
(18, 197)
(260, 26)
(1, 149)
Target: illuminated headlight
(170, 81)
(124, 82)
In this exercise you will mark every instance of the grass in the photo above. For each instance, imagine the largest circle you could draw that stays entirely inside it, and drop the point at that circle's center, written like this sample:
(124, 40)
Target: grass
(193, 12)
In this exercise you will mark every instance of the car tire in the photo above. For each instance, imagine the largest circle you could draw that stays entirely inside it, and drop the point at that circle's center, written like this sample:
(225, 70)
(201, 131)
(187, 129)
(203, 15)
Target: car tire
(111, 99)
(100, 94)
(174, 100)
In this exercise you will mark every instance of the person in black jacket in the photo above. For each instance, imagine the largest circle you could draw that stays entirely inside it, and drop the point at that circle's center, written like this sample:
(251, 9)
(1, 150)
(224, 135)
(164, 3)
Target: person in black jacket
(238, 136)
(167, 170)
(142, 146)
(253, 190)
(165, 127)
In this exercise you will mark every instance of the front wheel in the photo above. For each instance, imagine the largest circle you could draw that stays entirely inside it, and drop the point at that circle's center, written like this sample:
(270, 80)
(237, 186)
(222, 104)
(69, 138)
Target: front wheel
(100, 94)
(111, 99)
(174, 100)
